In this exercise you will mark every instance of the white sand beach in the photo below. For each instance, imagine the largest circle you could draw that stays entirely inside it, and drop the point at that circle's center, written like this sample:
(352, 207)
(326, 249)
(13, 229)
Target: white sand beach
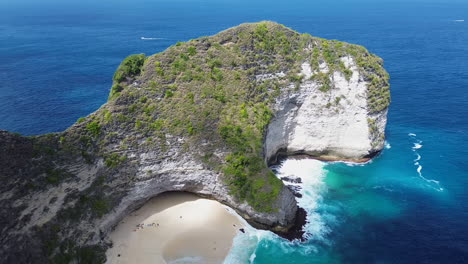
(175, 228)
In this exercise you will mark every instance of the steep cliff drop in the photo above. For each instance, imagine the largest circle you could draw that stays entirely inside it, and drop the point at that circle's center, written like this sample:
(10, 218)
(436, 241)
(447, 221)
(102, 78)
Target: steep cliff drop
(206, 117)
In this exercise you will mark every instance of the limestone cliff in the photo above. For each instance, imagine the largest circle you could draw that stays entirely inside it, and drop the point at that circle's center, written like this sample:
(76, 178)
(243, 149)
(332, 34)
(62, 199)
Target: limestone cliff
(204, 117)
(340, 124)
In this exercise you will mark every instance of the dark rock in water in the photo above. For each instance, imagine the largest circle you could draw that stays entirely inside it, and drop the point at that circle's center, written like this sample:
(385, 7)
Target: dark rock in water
(296, 193)
(242, 230)
(296, 232)
(292, 180)
(296, 190)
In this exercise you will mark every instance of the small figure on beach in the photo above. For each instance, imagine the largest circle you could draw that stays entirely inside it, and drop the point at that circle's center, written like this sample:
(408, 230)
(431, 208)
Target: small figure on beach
(242, 230)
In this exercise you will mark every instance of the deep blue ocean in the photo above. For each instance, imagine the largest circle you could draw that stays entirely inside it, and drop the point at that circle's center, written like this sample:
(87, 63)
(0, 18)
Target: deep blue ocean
(409, 205)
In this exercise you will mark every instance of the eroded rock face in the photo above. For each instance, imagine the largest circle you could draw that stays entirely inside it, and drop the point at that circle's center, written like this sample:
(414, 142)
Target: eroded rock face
(332, 125)
(183, 173)
(192, 119)
(151, 174)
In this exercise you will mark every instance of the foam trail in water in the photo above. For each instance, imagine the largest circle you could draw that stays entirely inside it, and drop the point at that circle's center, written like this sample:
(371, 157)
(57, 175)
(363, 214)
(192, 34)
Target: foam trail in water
(459, 20)
(418, 157)
(144, 38)
(252, 257)
(416, 146)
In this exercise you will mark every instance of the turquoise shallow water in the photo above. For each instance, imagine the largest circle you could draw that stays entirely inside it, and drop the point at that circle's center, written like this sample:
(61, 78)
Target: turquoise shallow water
(57, 59)
(386, 211)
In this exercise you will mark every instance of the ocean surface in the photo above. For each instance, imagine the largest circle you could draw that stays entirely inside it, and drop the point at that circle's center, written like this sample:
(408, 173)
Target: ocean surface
(409, 205)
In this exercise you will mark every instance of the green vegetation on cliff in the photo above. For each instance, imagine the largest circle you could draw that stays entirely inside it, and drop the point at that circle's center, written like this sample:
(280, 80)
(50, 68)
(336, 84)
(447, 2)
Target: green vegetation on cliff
(129, 68)
(206, 90)
(210, 92)
(211, 98)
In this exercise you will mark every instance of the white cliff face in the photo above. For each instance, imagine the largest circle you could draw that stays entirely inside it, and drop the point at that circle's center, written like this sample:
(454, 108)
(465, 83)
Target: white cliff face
(183, 173)
(330, 124)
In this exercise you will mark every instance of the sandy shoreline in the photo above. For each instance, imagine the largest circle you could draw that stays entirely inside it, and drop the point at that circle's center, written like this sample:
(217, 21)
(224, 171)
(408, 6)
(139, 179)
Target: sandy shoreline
(175, 228)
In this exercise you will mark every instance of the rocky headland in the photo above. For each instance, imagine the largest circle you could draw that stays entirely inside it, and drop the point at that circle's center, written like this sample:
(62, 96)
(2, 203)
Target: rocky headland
(207, 117)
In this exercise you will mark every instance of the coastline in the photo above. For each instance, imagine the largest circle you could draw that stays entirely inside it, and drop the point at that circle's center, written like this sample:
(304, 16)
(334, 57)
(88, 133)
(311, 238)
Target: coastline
(280, 156)
(173, 228)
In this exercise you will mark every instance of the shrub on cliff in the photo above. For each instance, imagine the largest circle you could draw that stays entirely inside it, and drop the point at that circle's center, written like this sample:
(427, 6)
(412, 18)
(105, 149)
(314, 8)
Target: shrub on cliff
(129, 67)
(115, 90)
(94, 128)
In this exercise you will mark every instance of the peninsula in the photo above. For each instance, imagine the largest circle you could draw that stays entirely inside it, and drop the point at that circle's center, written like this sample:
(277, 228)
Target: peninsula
(208, 117)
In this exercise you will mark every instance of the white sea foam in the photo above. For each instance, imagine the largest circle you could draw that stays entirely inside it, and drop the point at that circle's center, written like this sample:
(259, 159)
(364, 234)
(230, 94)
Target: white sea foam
(144, 38)
(352, 164)
(417, 146)
(245, 244)
(387, 145)
(312, 174)
(431, 183)
(418, 157)
(185, 260)
(419, 168)
(252, 257)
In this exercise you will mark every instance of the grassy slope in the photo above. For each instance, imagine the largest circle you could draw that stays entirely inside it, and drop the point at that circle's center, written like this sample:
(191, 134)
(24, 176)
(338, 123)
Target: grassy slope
(206, 92)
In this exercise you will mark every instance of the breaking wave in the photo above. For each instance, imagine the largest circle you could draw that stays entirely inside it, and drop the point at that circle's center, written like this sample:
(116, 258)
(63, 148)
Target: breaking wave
(245, 244)
(307, 177)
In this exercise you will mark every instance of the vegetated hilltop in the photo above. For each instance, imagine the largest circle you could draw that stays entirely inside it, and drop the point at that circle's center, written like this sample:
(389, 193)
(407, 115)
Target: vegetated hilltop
(203, 116)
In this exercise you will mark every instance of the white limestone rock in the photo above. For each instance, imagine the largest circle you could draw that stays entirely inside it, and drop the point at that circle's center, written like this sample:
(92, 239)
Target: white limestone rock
(331, 125)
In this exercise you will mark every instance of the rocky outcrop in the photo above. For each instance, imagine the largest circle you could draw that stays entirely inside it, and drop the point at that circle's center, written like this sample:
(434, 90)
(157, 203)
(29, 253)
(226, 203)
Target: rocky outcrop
(335, 125)
(185, 174)
(201, 117)
(32, 207)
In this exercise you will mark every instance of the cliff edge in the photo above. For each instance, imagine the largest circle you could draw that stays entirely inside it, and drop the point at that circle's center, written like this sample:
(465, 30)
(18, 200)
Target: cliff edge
(206, 116)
